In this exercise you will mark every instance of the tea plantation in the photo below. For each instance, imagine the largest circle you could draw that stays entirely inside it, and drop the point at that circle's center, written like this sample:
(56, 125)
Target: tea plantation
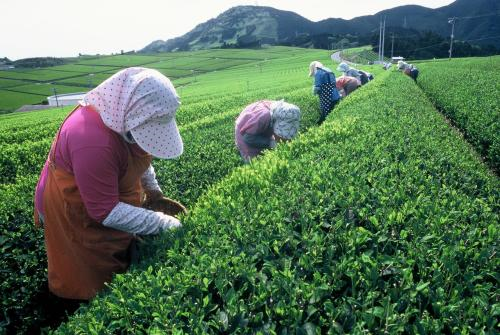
(206, 120)
(382, 220)
(467, 91)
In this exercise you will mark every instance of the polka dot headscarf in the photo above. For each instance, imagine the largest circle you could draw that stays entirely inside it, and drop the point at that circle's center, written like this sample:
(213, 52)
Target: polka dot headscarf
(285, 119)
(144, 102)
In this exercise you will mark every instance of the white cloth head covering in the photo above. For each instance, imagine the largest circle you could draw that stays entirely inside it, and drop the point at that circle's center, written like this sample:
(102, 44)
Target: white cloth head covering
(144, 102)
(313, 66)
(285, 119)
(402, 65)
(343, 67)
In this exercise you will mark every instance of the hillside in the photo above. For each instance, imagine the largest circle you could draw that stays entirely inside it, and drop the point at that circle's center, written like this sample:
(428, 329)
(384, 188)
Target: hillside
(247, 26)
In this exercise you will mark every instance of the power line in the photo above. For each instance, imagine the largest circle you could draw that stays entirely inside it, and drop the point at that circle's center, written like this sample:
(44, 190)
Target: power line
(444, 42)
(483, 38)
(453, 20)
(478, 16)
(429, 46)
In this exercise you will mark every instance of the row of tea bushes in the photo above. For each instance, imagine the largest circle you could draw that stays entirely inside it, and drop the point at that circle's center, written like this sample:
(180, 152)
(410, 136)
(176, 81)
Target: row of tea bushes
(381, 221)
(467, 91)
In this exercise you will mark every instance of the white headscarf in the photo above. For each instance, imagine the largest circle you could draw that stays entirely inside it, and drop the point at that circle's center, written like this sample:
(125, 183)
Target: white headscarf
(343, 67)
(285, 119)
(144, 102)
(403, 65)
(313, 66)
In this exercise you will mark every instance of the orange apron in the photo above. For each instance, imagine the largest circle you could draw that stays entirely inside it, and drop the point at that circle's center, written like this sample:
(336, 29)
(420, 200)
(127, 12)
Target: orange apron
(82, 253)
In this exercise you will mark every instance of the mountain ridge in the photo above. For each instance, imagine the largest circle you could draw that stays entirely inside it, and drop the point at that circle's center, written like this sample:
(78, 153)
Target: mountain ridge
(251, 26)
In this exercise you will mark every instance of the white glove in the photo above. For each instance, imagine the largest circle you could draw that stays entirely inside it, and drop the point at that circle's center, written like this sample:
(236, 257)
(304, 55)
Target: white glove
(136, 220)
(148, 180)
(272, 144)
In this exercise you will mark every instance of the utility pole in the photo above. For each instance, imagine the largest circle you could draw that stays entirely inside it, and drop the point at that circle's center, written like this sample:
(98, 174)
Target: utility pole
(380, 42)
(383, 42)
(55, 94)
(392, 46)
(452, 21)
(90, 79)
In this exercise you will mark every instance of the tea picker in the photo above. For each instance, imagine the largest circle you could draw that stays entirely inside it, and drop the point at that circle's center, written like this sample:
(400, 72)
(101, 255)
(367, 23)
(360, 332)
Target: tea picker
(325, 87)
(98, 189)
(408, 69)
(346, 85)
(264, 123)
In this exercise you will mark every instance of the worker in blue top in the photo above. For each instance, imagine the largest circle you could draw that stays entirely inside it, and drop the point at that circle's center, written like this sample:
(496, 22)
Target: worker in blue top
(325, 87)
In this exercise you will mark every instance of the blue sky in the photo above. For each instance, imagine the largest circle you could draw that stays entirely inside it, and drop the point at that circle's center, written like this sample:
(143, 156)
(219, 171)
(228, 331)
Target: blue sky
(60, 28)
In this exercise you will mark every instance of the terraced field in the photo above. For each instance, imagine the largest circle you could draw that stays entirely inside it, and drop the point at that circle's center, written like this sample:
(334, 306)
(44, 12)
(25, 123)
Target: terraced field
(20, 87)
(382, 220)
(361, 55)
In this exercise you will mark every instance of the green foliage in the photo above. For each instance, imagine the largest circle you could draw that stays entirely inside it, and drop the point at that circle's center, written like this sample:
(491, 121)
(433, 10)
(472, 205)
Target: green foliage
(206, 121)
(39, 62)
(467, 91)
(362, 55)
(20, 87)
(380, 221)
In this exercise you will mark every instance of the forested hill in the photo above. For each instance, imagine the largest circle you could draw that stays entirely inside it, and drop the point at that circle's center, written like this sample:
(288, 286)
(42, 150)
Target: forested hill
(250, 26)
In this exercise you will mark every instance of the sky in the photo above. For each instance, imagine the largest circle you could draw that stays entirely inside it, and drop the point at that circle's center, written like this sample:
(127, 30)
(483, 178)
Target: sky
(65, 28)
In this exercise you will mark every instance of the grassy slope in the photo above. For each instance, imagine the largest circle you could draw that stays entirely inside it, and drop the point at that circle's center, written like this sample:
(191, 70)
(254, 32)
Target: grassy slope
(182, 66)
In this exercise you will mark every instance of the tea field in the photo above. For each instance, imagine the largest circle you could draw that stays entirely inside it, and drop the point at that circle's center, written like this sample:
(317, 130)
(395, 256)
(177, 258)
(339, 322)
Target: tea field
(384, 219)
(32, 86)
(206, 119)
(467, 91)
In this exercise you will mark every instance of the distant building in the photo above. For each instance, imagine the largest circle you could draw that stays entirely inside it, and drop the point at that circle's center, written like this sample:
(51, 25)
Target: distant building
(394, 60)
(70, 99)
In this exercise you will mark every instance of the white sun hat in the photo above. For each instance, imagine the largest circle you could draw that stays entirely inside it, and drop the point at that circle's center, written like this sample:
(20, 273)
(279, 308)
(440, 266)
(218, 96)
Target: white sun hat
(343, 67)
(144, 102)
(402, 65)
(285, 119)
(313, 66)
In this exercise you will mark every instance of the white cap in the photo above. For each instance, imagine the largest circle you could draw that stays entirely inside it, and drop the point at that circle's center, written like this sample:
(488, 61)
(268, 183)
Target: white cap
(144, 102)
(313, 66)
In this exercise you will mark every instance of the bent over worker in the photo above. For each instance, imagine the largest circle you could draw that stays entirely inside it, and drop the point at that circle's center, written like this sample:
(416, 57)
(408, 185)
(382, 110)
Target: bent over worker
(347, 85)
(90, 191)
(349, 71)
(325, 87)
(408, 69)
(264, 123)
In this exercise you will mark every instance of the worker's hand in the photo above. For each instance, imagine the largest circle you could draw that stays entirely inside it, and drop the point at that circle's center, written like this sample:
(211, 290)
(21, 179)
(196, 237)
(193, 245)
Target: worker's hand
(166, 206)
(153, 195)
(168, 222)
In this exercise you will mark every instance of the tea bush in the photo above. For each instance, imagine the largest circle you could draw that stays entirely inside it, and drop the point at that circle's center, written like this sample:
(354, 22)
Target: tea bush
(468, 92)
(207, 127)
(380, 221)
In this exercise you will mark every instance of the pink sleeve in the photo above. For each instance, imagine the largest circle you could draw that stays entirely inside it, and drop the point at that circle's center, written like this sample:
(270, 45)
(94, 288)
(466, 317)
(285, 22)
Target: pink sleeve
(258, 121)
(340, 83)
(97, 172)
